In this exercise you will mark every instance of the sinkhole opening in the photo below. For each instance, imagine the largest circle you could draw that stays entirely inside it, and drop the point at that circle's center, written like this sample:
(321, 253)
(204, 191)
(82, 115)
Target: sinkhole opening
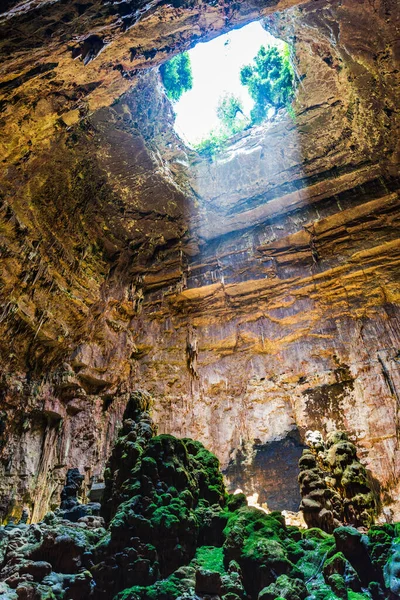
(227, 85)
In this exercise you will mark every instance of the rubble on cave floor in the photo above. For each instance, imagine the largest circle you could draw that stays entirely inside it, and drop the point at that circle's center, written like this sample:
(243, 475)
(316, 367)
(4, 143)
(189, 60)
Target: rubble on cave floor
(168, 530)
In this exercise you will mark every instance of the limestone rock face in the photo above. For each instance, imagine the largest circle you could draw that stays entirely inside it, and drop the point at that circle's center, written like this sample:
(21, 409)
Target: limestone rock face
(255, 296)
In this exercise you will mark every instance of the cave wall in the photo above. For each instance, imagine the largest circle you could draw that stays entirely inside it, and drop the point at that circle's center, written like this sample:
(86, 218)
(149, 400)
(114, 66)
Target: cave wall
(290, 312)
(255, 296)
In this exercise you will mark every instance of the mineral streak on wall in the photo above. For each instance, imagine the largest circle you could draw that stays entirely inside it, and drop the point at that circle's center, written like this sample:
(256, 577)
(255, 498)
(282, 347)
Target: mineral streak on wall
(255, 296)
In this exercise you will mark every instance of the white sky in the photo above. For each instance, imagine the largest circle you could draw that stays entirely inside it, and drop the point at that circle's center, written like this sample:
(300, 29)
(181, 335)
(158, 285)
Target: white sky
(216, 69)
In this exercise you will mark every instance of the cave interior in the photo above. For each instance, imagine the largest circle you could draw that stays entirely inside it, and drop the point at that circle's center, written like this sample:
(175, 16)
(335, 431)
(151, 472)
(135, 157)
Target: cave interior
(200, 345)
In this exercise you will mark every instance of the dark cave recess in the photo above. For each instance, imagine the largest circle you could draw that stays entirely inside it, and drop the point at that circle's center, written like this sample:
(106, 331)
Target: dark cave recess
(271, 472)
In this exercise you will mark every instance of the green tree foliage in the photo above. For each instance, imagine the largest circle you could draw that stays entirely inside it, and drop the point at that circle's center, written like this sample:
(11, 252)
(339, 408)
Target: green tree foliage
(177, 76)
(269, 80)
(213, 144)
(230, 113)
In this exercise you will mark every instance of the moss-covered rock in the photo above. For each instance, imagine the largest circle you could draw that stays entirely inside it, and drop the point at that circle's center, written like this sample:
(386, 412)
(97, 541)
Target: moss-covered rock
(338, 585)
(354, 546)
(335, 564)
(380, 543)
(392, 569)
(173, 532)
(164, 498)
(334, 484)
(285, 587)
(257, 542)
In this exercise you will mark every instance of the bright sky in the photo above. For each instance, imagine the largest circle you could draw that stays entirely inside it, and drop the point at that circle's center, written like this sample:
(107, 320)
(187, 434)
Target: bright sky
(216, 69)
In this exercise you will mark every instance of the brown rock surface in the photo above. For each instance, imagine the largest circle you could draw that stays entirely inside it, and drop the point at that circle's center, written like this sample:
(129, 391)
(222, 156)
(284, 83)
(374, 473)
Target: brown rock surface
(253, 296)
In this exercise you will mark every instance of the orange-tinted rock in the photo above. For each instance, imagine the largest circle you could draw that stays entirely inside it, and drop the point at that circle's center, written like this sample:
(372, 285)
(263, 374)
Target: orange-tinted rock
(255, 297)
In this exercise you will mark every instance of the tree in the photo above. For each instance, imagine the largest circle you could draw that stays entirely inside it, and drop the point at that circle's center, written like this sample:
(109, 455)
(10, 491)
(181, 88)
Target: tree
(213, 144)
(269, 80)
(177, 76)
(230, 113)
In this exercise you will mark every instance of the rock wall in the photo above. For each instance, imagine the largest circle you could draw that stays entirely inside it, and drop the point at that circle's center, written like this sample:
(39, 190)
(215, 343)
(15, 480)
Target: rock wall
(291, 300)
(255, 296)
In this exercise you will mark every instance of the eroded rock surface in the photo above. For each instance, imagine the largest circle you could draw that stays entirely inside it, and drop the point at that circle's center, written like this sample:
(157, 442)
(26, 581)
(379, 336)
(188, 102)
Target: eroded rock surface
(255, 297)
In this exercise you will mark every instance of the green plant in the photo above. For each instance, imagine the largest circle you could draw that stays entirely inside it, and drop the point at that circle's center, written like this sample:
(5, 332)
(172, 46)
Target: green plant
(210, 558)
(177, 76)
(213, 144)
(230, 113)
(269, 79)
(291, 112)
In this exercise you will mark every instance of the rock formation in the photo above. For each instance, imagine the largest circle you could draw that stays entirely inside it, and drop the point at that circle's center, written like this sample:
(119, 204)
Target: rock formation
(174, 532)
(334, 485)
(124, 252)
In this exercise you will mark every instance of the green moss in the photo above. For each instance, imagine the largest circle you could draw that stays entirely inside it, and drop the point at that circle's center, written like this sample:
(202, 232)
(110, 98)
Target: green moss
(295, 551)
(357, 595)
(149, 466)
(169, 494)
(380, 543)
(316, 551)
(323, 592)
(168, 589)
(176, 518)
(338, 585)
(210, 558)
(317, 534)
(284, 587)
(335, 564)
(187, 498)
(294, 533)
(171, 588)
(388, 528)
(164, 517)
(257, 542)
(235, 501)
